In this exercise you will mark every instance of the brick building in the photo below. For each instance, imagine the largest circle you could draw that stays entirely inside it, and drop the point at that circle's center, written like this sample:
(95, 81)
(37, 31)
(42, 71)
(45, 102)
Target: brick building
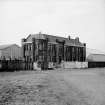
(47, 51)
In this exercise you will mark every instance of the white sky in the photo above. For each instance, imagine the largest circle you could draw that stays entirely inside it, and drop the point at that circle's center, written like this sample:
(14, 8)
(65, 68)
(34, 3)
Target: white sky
(79, 18)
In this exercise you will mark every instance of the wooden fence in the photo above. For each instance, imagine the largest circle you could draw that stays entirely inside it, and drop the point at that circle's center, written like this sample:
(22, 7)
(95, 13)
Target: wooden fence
(13, 65)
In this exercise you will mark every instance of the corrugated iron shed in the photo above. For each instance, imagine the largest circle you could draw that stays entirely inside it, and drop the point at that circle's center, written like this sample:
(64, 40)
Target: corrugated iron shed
(96, 57)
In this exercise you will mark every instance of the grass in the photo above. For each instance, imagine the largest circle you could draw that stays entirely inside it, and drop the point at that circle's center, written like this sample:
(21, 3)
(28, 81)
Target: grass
(59, 87)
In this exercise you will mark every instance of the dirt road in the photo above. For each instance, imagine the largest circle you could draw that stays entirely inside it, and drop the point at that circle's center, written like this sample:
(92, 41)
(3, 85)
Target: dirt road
(69, 87)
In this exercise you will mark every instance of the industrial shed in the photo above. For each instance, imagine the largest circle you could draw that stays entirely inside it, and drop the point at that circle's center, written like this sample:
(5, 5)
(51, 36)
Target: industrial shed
(10, 51)
(95, 58)
(10, 58)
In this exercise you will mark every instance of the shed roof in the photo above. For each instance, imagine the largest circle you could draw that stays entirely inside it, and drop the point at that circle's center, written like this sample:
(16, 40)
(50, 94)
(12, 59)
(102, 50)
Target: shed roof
(96, 57)
(93, 51)
(6, 46)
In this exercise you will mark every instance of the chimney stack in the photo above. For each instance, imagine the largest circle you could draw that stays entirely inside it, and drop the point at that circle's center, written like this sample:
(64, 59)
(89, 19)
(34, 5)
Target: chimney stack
(69, 37)
(77, 39)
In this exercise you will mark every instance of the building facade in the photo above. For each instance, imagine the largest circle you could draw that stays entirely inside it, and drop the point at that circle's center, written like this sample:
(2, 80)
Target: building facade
(10, 51)
(47, 51)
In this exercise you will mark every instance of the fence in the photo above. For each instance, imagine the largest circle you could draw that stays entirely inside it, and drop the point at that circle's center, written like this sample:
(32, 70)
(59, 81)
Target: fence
(13, 65)
(96, 64)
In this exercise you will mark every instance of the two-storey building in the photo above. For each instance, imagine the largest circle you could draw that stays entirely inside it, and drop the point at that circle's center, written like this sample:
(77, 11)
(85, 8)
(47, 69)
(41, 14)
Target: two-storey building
(48, 51)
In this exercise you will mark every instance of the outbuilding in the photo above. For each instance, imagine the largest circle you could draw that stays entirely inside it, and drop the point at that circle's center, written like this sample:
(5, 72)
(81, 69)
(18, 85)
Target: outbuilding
(95, 58)
(10, 51)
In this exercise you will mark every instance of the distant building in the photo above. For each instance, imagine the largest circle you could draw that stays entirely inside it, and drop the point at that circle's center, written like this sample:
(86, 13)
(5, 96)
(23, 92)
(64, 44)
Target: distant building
(46, 51)
(10, 51)
(95, 58)
(93, 51)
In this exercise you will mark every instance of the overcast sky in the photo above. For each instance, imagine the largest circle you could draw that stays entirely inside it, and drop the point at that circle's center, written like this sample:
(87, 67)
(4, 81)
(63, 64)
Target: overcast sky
(78, 18)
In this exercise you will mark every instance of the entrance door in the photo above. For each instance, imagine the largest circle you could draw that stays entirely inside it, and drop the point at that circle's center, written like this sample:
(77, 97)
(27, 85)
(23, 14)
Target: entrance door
(60, 59)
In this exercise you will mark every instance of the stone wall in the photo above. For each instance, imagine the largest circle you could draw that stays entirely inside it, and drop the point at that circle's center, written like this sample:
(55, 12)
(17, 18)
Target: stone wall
(67, 65)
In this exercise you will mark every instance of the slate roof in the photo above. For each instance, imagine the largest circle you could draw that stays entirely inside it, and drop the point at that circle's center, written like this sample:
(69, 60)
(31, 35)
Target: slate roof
(52, 39)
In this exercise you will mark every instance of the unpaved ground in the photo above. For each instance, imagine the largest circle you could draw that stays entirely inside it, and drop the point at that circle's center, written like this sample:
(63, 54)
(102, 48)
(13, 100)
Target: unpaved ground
(69, 87)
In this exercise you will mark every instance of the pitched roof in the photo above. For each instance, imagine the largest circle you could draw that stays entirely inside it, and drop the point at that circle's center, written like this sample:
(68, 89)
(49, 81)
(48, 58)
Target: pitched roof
(52, 39)
(93, 51)
(96, 57)
(6, 46)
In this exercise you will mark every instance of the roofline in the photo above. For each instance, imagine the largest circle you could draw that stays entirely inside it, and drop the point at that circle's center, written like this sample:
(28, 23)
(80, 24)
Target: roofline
(96, 54)
(49, 35)
(65, 38)
(28, 36)
(10, 45)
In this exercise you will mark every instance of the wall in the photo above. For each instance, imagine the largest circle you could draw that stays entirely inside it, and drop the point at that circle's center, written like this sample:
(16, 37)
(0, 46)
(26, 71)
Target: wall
(12, 51)
(96, 64)
(67, 65)
(35, 66)
(0, 53)
(12, 65)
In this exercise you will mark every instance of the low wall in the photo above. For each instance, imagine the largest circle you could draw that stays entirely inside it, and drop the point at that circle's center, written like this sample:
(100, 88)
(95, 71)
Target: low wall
(68, 65)
(96, 64)
(12, 65)
(35, 66)
(50, 65)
